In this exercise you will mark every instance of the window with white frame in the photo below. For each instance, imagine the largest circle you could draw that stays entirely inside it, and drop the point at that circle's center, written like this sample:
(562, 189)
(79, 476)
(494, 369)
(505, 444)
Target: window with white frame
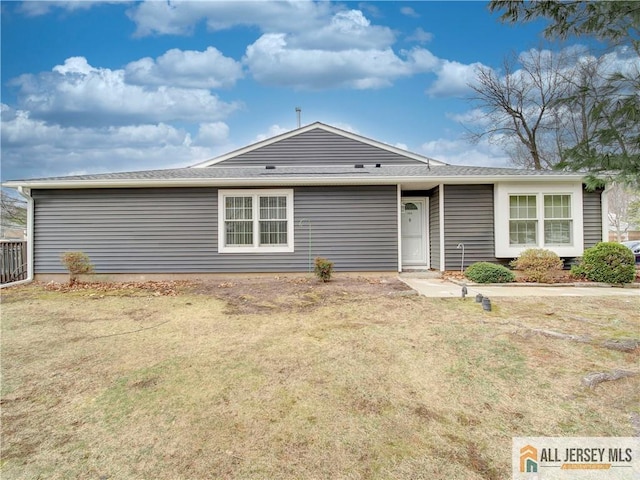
(538, 215)
(558, 224)
(523, 220)
(255, 221)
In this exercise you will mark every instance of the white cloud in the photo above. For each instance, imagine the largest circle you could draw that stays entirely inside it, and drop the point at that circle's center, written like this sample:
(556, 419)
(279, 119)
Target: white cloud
(273, 131)
(311, 24)
(180, 17)
(57, 150)
(188, 68)
(37, 8)
(212, 134)
(462, 152)
(420, 36)
(78, 93)
(475, 116)
(271, 60)
(453, 79)
(312, 45)
(346, 30)
(409, 12)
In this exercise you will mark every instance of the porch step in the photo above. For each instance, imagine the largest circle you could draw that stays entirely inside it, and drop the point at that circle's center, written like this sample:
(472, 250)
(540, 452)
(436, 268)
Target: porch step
(421, 273)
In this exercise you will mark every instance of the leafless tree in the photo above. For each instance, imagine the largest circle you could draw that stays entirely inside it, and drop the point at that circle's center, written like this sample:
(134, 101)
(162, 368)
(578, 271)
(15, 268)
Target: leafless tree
(13, 210)
(620, 199)
(521, 104)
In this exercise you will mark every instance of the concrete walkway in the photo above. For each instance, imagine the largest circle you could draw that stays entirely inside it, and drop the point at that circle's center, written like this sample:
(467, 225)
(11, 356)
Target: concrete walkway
(437, 287)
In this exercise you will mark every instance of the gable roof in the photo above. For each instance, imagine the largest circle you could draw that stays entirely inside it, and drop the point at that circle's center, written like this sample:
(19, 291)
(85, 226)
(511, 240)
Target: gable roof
(318, 144)
(316, 154)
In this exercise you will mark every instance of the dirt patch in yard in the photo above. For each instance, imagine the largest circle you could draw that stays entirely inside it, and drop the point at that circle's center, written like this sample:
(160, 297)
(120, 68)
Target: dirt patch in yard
(296, 293)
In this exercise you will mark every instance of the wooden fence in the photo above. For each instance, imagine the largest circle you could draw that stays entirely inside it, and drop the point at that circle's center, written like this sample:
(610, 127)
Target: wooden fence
(13, 255)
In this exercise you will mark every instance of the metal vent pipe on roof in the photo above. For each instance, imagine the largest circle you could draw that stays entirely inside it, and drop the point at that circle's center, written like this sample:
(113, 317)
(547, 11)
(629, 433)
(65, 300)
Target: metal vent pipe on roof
(298, 112)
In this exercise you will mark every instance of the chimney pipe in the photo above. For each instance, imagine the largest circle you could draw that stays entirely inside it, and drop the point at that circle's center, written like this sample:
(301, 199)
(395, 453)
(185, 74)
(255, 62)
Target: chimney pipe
(298, 111)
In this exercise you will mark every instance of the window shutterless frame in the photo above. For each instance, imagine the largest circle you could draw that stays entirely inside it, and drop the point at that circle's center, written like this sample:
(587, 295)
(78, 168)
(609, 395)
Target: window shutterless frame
(538, 215)
(255, 221)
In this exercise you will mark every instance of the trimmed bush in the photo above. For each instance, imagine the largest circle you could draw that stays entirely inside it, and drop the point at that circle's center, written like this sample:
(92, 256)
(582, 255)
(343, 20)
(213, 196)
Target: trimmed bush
(538, 264)
(607, 262)
(485, 272)
(78, 263)
(323, 269)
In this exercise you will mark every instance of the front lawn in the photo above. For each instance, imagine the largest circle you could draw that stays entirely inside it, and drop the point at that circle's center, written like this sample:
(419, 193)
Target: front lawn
(286, 378)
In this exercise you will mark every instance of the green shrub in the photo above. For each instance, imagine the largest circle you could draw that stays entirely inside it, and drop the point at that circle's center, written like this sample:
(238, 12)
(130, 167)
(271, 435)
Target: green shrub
(484, 272)
(538, 264)
(607, 262)
(323, 269)
(78, 263)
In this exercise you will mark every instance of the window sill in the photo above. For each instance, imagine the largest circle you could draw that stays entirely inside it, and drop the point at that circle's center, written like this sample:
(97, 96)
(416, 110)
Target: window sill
(280, 249)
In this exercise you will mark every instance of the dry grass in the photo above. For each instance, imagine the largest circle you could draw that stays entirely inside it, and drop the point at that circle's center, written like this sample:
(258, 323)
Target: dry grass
(281, 378)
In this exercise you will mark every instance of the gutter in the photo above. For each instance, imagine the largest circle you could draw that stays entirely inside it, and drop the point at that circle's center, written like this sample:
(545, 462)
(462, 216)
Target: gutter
(26, 193)
(284, 181)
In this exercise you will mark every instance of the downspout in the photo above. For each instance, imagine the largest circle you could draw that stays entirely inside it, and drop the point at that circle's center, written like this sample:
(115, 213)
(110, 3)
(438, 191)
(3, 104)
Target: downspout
(441, 221)
(604, 201)
(26, 193)
(399, 207)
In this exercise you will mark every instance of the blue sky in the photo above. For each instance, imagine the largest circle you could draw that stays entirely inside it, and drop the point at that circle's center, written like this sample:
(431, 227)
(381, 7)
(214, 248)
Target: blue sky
(90, 87)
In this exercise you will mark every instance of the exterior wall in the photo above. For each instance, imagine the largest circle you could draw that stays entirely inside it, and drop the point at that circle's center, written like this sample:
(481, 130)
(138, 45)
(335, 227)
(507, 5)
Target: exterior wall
(468, 219)
(434, 228)
(317, 147)
(592, 211)
(174, 230)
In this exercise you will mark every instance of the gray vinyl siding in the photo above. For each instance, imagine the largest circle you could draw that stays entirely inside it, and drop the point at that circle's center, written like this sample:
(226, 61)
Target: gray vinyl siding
(592, 217)
(468, 219)
(317, 147)
(174, 230)
(434, 228)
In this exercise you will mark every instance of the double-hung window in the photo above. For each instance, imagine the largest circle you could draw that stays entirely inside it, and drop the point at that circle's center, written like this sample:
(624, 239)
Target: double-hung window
(558, 225)
(546, 215)
(525, 213)
(255, 221)
(523, 220)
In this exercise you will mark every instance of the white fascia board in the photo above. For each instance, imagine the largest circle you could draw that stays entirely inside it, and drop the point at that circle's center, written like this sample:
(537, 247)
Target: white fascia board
(285, 180)
(327, 128)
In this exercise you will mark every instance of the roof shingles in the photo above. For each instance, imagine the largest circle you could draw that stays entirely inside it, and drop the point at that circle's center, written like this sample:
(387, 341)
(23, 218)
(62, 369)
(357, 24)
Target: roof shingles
(318, 172)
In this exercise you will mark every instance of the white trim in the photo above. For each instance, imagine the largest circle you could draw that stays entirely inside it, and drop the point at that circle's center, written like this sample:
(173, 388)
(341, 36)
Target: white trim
(290, 181)
(256, 248)
(26, 193)
(424, 201)
(326, 128)
(399, 220)
(427, 231)
(502, 191)
(604, 196)
(441, 221)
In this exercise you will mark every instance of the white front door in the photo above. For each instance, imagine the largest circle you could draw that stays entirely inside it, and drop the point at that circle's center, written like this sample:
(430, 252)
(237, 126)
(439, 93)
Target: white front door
(414, 231)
